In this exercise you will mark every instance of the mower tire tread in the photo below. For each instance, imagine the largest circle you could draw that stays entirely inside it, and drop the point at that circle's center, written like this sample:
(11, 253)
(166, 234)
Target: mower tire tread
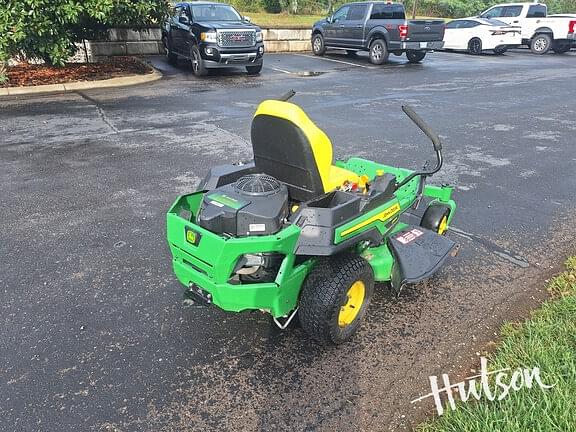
(324, 293)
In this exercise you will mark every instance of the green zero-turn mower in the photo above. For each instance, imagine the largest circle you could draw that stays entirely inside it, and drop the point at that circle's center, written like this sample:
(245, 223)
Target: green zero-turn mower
(292, 232)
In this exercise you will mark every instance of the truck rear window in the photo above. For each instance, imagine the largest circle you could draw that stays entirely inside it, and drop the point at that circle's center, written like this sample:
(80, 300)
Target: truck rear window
(386, 11)
(537, 11)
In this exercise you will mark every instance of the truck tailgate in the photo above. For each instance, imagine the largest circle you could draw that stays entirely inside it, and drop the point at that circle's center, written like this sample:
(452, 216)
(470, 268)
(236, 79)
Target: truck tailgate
(425, 30)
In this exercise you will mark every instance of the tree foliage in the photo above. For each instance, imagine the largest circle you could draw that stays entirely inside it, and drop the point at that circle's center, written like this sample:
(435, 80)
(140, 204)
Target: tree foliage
(442, 8)
(48, 29)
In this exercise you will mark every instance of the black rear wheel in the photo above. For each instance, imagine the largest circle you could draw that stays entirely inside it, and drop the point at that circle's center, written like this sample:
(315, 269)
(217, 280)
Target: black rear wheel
(378, 52)
(561, 48)
(335, 297)
(475, 46)
(318, 47)
(415, 56)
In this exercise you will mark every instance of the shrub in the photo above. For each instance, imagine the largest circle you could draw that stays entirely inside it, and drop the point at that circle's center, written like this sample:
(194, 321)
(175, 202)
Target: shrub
(48, 29)
(246, 5)
(271, 6)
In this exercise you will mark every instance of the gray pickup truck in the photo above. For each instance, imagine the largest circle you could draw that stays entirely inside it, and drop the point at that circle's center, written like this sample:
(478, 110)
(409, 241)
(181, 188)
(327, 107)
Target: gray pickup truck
(380, 28)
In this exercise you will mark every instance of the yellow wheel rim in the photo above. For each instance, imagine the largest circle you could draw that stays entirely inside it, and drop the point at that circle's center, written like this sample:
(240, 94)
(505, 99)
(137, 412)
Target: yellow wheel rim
(350, 310)
(443, 227)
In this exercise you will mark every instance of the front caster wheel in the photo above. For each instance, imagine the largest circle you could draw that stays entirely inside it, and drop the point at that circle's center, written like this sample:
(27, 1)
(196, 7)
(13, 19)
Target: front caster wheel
(254, 70)
(335, 297)
(436, 218)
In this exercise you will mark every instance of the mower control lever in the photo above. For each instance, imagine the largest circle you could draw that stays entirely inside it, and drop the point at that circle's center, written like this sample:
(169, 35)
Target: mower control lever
(423, 126)
(287, 96)
(435, 141)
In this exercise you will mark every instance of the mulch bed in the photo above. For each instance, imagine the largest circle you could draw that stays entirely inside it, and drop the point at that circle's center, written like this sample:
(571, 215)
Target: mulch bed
(32, 75)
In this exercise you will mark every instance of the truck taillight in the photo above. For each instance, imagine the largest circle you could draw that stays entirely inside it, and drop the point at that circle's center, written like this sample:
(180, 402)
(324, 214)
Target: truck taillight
(403, 31)
(572, 27)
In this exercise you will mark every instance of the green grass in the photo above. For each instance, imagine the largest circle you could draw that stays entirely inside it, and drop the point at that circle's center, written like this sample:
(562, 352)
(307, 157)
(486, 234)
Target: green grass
(546, 340)
(284, 20)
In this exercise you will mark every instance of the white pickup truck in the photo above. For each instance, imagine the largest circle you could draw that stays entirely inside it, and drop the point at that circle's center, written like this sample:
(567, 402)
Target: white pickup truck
(540, 32)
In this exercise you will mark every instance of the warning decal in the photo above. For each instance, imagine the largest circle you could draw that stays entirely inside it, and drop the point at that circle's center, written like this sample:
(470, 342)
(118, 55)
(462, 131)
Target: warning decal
(409, 236)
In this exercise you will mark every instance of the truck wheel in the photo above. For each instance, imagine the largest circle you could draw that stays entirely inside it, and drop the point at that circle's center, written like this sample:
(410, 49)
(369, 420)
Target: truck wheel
(475, 46)
(335, 297)
(436, 218)
(415, 56)
(318, 47)
(541, 43)
(254, 70)
(197, 62)
(170, 56)
(561, 48)
(378, 52)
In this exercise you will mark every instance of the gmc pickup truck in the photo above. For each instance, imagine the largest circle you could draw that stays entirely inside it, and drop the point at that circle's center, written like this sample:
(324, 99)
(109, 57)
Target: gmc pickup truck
(540, 32)
(212, 35)
(380, 28)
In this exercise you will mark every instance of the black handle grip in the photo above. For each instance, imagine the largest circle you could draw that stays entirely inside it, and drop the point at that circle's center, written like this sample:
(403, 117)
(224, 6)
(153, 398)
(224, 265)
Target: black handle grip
(287, 96)
(423, 127)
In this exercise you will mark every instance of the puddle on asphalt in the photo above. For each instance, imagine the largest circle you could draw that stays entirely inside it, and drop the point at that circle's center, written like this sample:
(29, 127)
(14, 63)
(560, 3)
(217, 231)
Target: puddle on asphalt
(309, 73)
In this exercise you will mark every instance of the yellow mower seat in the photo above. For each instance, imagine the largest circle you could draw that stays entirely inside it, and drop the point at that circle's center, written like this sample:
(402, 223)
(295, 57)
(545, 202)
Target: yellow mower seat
(290, 147)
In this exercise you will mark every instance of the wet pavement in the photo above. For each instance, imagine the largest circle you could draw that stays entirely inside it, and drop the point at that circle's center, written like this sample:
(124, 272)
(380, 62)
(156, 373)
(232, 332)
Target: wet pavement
(95, 334)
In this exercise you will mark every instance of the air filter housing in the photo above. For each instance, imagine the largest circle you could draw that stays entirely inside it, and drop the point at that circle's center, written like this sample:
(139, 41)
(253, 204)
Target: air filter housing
(257, 204)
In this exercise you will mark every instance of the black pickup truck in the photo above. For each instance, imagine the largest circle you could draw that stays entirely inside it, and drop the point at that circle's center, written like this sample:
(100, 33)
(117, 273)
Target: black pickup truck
(380, 28)
(212, 35)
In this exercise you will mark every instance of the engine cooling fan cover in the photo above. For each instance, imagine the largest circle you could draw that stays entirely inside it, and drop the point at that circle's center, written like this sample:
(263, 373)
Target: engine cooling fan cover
(258, 185)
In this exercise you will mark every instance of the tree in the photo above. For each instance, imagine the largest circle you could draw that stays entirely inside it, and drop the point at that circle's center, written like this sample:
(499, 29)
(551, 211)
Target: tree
(48, 29)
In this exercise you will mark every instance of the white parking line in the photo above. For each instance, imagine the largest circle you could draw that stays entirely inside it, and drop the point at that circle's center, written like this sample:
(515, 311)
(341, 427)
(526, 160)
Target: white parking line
(280, 70)
(335, 61)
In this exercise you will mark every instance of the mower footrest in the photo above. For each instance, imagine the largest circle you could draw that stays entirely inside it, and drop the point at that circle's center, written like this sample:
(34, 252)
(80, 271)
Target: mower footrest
(418, 254)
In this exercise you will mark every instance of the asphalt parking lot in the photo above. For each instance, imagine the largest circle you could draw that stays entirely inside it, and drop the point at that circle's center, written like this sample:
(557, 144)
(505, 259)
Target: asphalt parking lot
(95, 333)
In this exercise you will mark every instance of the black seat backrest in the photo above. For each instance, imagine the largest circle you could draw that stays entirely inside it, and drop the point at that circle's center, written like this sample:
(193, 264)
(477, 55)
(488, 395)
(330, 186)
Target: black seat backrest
(289, 147)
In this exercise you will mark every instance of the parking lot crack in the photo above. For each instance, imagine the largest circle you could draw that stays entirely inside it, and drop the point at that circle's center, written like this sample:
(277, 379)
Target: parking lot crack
(100, 111)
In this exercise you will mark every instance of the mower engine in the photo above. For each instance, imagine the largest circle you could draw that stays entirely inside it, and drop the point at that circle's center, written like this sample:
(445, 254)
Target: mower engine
(257, 204)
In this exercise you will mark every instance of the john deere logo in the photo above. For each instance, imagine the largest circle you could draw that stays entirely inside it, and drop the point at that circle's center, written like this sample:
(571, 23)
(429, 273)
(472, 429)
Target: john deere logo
(192, 237)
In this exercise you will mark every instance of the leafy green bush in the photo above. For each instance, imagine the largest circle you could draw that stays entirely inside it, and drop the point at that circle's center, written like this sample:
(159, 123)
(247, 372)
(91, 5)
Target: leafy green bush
(246, 5)
(271, 6)
(48, 29)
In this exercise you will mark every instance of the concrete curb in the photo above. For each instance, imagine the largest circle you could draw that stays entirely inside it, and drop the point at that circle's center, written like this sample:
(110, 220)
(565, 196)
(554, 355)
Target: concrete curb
(83, 85)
